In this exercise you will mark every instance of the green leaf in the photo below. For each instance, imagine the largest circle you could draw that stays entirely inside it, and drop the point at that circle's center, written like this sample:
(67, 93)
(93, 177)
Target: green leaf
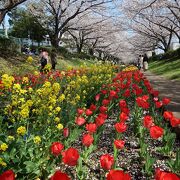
(30, 166)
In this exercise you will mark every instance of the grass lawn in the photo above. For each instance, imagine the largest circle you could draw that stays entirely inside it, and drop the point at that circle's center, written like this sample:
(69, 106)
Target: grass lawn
(19, 66)
(166, 68)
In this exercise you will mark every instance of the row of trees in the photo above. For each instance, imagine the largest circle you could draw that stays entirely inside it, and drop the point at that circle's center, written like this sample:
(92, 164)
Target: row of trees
(111, 28)
(155, 23)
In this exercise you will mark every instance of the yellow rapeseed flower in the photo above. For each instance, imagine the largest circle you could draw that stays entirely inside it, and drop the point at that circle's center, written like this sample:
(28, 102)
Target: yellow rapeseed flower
(11, 138)
(25, 79)
(61, 97)
(57, 119)
(2, 163)
(47, 84)
(7, 80)
(3, 147)
(21, 130)
(59, 126)
(50, 108)
(58, 109)
(30, 89)
(56, 87)
(24, 112)
(17, 87)
(37, 139)
(29, 59)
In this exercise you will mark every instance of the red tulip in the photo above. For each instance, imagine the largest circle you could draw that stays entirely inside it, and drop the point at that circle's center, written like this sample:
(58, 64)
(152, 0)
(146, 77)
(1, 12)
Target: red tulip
(156, 132)
(103, 109)
(120, 127)
(148, 121)
(88, 112)
(56, 148)
(92, 107)
(70, 156)
(158, 104)
(7, 175)
(125, 110)
(145, 97)
(138, 91)
(162, 175)
(87, 140)
(166, 101)
(105, 102)
(122, 103)
(103, 91)
(174, 121)
(97, 97)
(80, 111)
(123, 117)
(142, 101)
(80, 121)
(168, 115)
(99, 121)
(119, 144)
(103, 115)
(155, 93)
(58, 175)
(106, 161)
(112, 93)
(127, 93)
(91, 127)
(66, 132)
(117, 175)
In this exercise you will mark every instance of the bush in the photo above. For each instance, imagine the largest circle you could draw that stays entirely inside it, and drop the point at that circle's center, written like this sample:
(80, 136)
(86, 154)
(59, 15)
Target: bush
(171, 54)
(48, 49)
(82, 55)
(7, 46)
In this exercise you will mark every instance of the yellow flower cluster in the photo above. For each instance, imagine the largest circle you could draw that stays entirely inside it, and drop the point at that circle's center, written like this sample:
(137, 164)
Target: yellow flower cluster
(3, 147)
(37, 139)
(25, 80)
(7, 81)
(30, 59)
(130, 68)
(60, 126)
(47, 68)
(2, 163)
(21, 130)
(11, 138)
(78, 86)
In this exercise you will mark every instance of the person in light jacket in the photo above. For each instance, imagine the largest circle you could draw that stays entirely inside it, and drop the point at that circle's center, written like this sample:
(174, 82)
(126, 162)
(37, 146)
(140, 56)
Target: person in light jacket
(145, 62)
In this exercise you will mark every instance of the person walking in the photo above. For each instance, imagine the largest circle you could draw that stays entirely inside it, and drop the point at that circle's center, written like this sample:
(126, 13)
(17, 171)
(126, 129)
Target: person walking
(145, 62)
(43, 59)
(140, 62)
(53, 59)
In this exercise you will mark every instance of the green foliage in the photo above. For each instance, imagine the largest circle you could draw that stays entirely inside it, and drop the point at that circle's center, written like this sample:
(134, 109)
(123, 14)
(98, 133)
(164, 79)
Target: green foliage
(171, 54)
(169, 69)
(7, 46)
(25, 24)
(83, 56)
(149, 161)
(175, 164)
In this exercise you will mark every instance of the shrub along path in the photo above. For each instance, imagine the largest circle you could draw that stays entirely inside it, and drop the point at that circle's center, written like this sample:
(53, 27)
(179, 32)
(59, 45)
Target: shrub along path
(166, 88)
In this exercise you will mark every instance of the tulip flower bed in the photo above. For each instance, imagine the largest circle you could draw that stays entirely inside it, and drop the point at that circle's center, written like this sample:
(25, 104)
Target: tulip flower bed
(86, 124)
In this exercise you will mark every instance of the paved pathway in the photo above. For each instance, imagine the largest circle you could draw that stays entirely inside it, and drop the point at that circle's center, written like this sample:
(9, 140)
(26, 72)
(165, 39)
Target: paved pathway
(167, 88)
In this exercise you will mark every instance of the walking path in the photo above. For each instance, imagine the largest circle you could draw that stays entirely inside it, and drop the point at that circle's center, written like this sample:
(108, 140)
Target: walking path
(166, 88)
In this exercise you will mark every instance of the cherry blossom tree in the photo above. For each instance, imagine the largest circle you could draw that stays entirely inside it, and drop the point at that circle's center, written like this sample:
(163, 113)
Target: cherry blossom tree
(156, 20)
(57, 15)
(6, 6)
